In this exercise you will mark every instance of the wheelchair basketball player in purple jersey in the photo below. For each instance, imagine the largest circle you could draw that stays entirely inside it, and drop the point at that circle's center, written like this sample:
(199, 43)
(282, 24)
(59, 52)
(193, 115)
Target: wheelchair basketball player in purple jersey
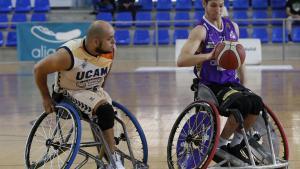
(227, 85)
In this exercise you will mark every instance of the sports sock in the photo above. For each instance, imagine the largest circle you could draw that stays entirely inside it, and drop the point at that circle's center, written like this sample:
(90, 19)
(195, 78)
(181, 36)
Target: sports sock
(222, 142)
(237, 139)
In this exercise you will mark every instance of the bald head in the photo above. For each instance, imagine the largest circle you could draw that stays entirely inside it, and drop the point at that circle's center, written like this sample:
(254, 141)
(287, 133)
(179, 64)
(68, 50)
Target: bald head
(100, 38)
(98, 29)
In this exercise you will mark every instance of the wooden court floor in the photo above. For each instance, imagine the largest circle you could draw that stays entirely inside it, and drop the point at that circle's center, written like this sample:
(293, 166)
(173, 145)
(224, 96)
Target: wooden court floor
(156, 98)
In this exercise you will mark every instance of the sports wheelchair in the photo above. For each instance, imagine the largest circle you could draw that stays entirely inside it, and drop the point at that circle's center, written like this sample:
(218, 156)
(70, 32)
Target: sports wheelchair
(194, 137)
(55, 140)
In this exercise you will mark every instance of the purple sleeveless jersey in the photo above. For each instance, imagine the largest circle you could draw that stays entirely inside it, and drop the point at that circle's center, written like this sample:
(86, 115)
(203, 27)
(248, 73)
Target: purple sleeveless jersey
(209, 72)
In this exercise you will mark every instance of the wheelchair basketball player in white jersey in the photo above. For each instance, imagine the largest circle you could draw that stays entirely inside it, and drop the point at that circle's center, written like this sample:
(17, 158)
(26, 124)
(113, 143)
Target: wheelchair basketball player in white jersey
(81, 67)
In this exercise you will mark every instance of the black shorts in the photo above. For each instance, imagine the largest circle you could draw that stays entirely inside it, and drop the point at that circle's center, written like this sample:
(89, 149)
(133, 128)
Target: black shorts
(236, 96)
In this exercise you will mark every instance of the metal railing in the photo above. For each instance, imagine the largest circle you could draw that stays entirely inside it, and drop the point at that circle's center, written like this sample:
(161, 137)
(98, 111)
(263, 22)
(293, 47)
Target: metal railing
(155, 26)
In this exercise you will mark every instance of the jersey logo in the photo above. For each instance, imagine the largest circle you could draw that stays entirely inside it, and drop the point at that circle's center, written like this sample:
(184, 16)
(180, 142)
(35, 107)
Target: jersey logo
(210, 44)
(232, 35)
(83, 65)
(92, 73)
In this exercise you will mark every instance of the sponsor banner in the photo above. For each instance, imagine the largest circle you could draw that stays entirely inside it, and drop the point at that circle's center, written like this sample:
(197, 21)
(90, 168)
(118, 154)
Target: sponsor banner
(252, 49)
(38, 40)
(178, 45)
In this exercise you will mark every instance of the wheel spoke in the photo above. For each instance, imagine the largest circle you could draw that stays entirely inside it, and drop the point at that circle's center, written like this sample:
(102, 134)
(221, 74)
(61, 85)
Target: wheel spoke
(192, 137)
(52, 140)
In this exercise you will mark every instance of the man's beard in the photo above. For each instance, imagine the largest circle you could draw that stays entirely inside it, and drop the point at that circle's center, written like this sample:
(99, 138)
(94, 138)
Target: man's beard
(101, 51)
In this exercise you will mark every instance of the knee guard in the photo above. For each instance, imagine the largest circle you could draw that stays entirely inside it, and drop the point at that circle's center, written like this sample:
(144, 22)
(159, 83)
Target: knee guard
(106, 116)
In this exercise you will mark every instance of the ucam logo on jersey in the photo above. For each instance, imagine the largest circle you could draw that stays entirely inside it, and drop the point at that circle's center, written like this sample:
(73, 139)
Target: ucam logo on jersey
(92, 73)
(38, 40)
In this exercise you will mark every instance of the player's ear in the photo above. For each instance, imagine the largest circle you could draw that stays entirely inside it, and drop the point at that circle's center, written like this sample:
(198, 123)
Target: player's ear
(203, 3)
(96, 41)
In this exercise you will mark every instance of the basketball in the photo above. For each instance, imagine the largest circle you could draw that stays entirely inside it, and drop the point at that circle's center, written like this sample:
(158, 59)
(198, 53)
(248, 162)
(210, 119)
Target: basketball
(229, 54)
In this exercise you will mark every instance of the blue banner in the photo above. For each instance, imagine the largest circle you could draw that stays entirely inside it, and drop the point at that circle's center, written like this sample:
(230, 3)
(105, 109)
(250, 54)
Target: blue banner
(38, 40)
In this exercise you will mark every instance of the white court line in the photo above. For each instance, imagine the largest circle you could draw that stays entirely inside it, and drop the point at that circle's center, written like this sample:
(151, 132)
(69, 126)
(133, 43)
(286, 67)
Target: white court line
(250, 67)
(270, 67)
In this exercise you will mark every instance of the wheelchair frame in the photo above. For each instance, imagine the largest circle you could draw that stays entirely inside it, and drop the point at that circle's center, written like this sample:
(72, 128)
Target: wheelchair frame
(66, 111)
(205, 107)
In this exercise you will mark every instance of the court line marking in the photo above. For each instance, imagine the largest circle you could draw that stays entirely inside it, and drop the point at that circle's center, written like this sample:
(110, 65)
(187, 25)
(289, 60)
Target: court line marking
(250, 67)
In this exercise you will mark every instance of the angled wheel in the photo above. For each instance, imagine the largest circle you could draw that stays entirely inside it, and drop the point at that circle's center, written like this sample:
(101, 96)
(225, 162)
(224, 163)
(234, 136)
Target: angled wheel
(194, 137)
(278, 136)
(54, 139)
(135, 133)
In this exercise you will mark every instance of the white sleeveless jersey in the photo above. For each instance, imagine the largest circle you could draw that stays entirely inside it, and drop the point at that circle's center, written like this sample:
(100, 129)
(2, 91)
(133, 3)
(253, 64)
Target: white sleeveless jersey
(87, 72)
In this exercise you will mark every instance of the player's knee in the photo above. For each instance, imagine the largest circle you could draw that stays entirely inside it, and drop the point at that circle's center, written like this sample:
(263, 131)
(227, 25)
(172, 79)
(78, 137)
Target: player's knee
(257, 104)
(243, 104)
(106, 116)
(250, 104)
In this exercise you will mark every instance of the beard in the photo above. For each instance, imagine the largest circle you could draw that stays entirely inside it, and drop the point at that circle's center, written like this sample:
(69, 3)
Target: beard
(99, 50)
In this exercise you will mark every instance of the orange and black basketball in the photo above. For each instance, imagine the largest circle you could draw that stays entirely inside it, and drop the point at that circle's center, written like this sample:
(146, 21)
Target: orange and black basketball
(229, 54)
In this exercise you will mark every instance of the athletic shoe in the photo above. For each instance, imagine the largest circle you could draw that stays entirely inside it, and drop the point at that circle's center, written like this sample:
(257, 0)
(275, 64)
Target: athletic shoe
(240, 151)
(220, 154)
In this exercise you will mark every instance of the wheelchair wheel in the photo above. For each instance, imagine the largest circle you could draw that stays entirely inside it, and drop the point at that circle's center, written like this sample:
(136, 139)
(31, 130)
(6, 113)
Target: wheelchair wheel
(278, 136)
(54, 139)
(194, 137)
(135, 133)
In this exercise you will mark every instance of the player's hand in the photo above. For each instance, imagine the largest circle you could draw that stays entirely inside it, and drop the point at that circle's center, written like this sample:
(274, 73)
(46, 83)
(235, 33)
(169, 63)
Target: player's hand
(48, 104)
